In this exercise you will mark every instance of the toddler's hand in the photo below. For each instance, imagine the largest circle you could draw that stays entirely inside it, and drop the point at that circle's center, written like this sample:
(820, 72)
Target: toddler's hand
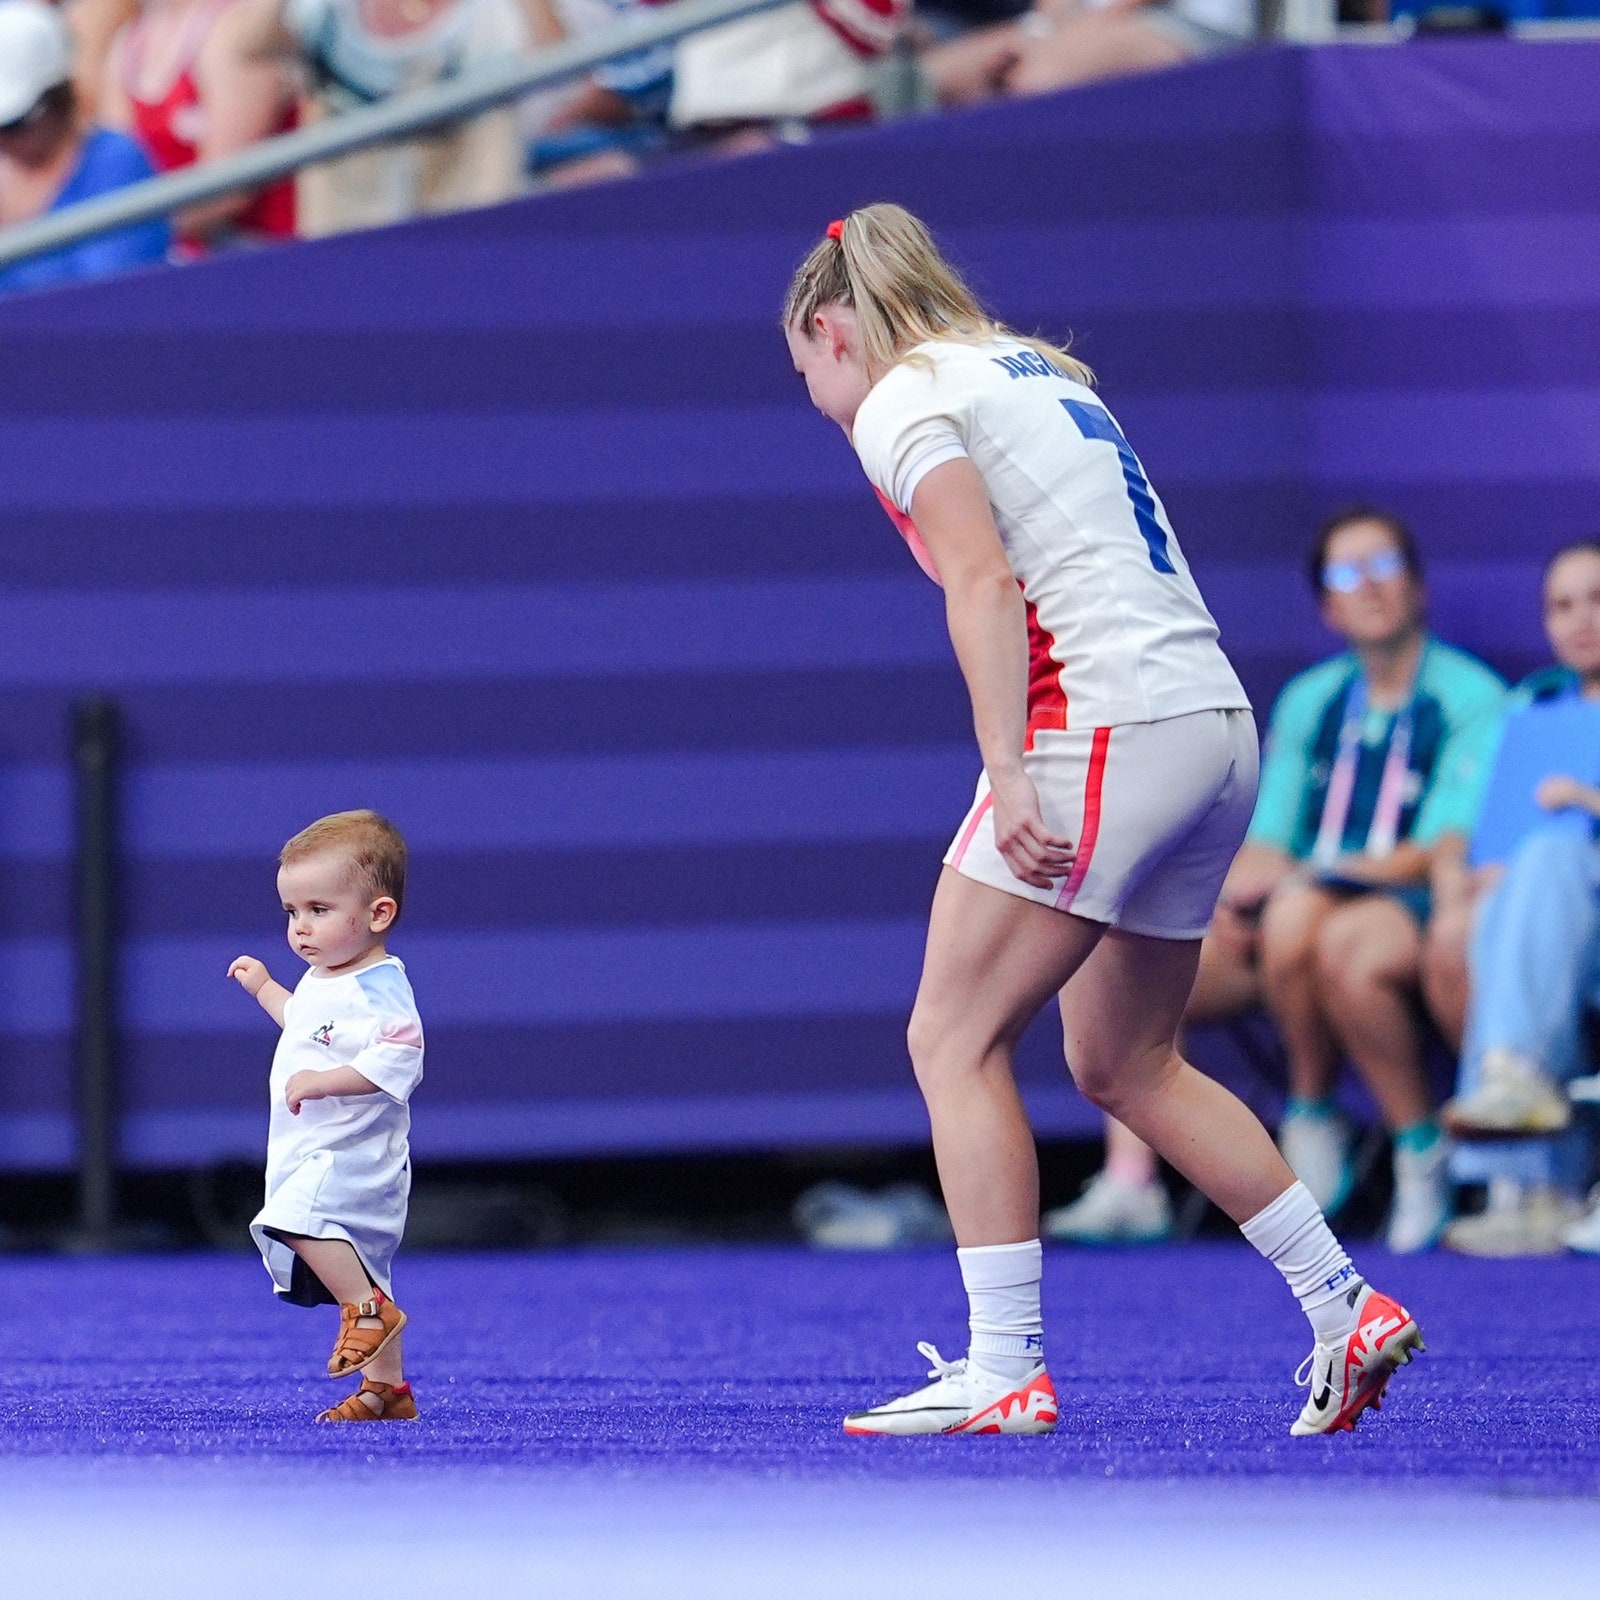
(252, 975)
(301, 1087)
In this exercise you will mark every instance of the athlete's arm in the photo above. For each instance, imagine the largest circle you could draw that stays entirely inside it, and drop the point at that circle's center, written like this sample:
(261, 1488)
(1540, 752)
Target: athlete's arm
(989, 629)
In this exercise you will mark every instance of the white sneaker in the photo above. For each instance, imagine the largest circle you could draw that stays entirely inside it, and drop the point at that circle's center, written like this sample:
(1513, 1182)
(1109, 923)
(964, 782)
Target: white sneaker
(1316, 1144)
(1584, 1091)
(963, 1399)
(1112, 1211)
(1517, 1221)
(1421, 1206)
(1348, 1376)
(1513, 1095)
(1584, 1234)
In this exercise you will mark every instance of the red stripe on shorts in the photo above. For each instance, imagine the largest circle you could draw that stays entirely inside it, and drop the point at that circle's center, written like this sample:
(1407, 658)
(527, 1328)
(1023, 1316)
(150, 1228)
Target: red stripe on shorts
(971, 828)
(1091, 819)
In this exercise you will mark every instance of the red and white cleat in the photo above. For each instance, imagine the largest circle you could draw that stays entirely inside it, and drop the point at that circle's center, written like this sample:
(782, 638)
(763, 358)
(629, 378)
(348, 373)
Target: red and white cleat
(963, 1399)
(1347, 1377)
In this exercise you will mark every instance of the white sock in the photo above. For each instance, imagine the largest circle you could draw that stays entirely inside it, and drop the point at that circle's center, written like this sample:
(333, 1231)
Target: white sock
(1003, 1298)
(1295, 1237)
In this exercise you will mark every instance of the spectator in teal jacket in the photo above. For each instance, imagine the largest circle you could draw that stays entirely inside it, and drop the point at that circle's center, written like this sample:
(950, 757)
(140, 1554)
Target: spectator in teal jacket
(1373, 758)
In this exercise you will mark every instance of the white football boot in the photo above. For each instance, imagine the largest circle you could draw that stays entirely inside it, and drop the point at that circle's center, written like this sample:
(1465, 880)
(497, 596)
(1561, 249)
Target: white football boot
(1346, 1377)
(963, 1399)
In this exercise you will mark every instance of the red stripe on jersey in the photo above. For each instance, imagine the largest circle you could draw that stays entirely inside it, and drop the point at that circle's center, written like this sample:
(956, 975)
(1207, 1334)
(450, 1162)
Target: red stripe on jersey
(979, 813)
(1090, 831)
(908, 532)
(1047, 700)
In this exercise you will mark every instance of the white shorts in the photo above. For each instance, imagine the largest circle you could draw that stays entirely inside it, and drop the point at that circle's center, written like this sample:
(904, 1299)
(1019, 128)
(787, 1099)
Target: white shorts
(1157, 810)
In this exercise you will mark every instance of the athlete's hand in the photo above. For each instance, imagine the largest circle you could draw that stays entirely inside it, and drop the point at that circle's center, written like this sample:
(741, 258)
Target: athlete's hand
(251, 975)
(1030, 850)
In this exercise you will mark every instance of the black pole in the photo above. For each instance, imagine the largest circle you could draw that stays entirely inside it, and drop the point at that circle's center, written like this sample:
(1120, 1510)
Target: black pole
(96, 728)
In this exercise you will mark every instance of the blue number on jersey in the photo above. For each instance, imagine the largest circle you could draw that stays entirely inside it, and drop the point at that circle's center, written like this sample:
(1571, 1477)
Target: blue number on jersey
(1094, 422)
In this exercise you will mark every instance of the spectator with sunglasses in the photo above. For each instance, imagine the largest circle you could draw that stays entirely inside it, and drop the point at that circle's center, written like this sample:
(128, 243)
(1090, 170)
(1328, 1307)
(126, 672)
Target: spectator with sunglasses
(1371, 760)
(51, 158)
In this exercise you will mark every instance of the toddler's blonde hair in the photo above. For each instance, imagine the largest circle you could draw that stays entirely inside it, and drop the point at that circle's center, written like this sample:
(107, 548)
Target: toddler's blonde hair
(885, 264)
(372, 845)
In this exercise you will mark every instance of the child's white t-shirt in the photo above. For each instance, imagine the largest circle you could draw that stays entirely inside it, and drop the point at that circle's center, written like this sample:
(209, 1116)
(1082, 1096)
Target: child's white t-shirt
(341, 1169)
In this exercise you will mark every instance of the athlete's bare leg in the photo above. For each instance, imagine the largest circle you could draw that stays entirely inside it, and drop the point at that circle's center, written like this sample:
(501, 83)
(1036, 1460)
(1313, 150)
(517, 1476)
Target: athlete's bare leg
(1120, 1015)
(1369, 959)
(1289, 977)
(993, 960)
(1228, 982)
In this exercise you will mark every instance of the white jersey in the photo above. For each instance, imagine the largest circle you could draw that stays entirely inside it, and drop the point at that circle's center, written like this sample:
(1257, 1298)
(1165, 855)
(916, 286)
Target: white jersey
(341, 1169)
(1117, 630)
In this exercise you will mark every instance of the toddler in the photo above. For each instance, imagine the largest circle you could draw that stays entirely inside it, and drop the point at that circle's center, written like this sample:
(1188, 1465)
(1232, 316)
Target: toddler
(338, 1163)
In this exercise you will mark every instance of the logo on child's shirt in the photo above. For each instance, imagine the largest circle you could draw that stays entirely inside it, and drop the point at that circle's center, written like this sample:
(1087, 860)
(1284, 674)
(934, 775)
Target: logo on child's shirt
(324, 1035)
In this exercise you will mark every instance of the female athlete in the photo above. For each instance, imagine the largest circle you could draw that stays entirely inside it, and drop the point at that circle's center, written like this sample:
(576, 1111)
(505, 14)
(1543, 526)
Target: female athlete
(1119, 773)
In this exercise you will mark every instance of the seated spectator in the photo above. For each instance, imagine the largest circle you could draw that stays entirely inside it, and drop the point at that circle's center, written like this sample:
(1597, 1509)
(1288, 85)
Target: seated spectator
(811, 62)
(605, 125)
(1061, 43)
(51, 159)
(1371, 759)
(1533, 961)
(359, 52)
(93, 24)
(177, 81)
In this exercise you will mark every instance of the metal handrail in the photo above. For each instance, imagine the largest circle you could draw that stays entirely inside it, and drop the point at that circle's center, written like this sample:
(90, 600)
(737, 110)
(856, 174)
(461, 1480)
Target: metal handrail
(479, 90)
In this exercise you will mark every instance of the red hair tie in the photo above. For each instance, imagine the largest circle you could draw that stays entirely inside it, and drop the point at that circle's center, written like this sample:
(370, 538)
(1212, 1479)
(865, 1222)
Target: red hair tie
(836, 229)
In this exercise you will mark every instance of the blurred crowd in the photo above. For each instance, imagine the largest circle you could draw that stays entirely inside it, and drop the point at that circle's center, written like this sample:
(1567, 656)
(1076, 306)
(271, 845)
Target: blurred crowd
(97, 94)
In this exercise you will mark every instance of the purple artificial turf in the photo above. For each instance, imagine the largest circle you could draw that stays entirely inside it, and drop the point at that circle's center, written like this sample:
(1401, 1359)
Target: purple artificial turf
(1170, 1363)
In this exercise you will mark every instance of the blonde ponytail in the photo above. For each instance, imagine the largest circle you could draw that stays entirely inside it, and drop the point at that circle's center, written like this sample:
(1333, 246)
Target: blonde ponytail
(884, 263)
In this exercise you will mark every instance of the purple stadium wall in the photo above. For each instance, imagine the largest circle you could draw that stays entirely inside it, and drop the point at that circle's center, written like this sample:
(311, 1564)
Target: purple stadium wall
(516, 526)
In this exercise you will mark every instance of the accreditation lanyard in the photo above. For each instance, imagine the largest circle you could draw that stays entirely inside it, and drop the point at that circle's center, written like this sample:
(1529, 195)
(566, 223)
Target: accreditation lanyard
(1384, 830)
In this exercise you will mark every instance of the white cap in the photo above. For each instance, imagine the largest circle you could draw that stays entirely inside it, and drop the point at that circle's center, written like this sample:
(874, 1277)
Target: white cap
(35, 55)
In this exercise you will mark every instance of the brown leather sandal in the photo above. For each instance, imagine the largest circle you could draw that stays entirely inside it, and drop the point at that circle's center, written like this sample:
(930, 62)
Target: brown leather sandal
(356, 1346)
(374, 1402)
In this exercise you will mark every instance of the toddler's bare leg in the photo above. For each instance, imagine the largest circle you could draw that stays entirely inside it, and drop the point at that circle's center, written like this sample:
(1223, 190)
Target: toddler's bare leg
(385, 1367)
(336, 1264)
(341, 1272)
